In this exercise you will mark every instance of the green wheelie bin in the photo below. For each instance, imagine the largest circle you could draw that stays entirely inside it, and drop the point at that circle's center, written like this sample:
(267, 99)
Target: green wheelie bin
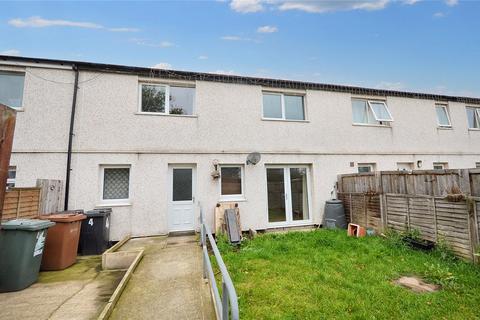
(21, 251)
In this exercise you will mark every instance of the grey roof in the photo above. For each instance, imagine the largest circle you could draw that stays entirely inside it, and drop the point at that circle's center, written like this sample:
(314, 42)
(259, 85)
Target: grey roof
(266, 82)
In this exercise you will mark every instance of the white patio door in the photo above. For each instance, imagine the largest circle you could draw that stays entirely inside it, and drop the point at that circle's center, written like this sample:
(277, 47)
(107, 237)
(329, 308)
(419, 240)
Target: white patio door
(181, 209)
(288, 194)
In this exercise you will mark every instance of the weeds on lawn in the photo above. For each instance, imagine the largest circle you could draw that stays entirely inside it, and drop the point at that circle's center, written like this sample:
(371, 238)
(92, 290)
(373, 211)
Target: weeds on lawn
(440, 275)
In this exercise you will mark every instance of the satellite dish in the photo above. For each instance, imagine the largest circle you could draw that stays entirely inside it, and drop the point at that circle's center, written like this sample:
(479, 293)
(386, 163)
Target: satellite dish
(253, 158)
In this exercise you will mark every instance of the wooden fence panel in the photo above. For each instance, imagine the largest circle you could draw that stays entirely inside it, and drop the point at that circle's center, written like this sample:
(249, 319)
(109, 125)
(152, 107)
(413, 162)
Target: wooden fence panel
(21, 203)
(475, 184)
(362, 209)
(51, 195)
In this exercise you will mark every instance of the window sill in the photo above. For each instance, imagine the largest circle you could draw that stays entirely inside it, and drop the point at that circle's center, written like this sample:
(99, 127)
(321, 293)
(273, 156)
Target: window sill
(233, 199)
(118, 204)
(285, 120)
(166, 115)
(473, 129)
(22, 109)
(370, 125)
(286, 224)
(444, 128)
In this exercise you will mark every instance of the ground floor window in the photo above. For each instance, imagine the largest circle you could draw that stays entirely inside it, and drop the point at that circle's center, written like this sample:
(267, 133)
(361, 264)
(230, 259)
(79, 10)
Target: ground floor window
(405, 166)
(440, 165)
(366, 167)
(288, 194)
(115, 183)
(12, 175)
(231, 182)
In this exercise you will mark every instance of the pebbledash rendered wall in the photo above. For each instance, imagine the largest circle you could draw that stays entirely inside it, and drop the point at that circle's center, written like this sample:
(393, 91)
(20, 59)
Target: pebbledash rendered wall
(227, 126)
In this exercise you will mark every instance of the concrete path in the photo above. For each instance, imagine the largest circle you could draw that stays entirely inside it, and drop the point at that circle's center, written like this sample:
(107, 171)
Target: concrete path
(79, 292)
(167, 284)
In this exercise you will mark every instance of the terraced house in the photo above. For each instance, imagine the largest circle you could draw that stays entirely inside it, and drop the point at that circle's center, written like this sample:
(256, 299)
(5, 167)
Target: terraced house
(154, 144)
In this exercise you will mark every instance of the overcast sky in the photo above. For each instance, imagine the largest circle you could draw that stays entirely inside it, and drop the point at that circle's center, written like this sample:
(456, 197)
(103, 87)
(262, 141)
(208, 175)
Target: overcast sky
(426, 46)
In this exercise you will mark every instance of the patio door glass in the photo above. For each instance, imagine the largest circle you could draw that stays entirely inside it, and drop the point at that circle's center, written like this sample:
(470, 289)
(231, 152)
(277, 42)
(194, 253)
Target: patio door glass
(276, 195)
(287, 189)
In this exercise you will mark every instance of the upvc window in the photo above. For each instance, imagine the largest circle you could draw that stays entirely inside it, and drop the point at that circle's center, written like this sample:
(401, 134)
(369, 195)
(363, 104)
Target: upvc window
(443, 118)
(153, 99)
(477, 165)
(405, 166)
(12, 175)
(370, 112)
(115, 184)
(283, 106)
(440, 165)
(473, 116)
(366, 167)
(11, 89)
(231, 182)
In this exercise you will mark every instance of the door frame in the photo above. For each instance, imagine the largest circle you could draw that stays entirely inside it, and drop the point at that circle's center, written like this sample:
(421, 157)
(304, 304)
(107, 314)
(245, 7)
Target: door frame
(170, 202)
(289, 222)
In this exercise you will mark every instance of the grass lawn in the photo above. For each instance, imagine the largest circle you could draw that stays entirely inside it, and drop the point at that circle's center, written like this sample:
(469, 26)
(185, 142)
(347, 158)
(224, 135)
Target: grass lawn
(324, 274)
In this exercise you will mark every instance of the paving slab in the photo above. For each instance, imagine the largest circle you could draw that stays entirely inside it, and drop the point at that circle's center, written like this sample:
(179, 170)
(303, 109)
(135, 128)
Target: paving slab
(168, 283)
(78, 292)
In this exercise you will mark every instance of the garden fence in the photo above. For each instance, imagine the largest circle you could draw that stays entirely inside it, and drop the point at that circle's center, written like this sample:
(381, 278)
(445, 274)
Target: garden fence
(443, 206)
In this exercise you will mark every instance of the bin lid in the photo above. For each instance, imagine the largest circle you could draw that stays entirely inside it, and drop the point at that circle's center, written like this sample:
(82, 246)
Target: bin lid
(333, 201)
(97, 213)
(27, 224)
(64, 217)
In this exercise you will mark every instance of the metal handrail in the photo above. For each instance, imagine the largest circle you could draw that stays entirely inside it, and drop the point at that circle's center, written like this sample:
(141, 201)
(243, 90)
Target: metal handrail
(228, 303)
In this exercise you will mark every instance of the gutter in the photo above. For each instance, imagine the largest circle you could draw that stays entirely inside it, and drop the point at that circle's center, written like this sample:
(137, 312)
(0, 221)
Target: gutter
(70, 136)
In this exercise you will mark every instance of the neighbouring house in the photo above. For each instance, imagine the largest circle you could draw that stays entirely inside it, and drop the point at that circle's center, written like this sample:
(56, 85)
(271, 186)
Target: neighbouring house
(146, 141)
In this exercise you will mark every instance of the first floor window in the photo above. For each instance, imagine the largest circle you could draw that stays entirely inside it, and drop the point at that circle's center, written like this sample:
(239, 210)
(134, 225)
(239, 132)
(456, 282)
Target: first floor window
(116, 183)
(366, 167)
(12, 175)
(166, 99)
(11, 89)
(473, 116)
(283, 106)
(231, 183)
(443, 119)
(370, 112)
(440, 165)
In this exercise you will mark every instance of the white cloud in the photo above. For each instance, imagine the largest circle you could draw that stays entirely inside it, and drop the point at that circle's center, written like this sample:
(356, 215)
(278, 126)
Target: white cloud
(162, 65)
(451, 3)
(39, 22)
(202, 57)
(267, 29)
(410, 2)
(439, 15)
(390, 85)
(149, 43)
(311, 6)
(10, 52)
(236, 38)
(246, 6)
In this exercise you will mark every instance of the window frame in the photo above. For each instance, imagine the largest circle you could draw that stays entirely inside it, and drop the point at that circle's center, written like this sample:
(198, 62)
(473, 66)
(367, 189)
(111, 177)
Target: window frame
(445, 107)
(115, 202)
(444, 165)
(232, 197)
(282, 102)
(371, 165)
(18, 73)
(167, 99)
(476, 115)
(477, 165)
(368, 106)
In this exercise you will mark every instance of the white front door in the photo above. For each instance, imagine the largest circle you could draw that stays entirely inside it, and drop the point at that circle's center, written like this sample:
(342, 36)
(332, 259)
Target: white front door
(181, 210)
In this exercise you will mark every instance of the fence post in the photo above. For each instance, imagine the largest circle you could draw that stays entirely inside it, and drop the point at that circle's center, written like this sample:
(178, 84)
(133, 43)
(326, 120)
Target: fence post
(18, 202)
(471, 227)
(434, 204)
(351, 214)
(365, 207)
(408, 213)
